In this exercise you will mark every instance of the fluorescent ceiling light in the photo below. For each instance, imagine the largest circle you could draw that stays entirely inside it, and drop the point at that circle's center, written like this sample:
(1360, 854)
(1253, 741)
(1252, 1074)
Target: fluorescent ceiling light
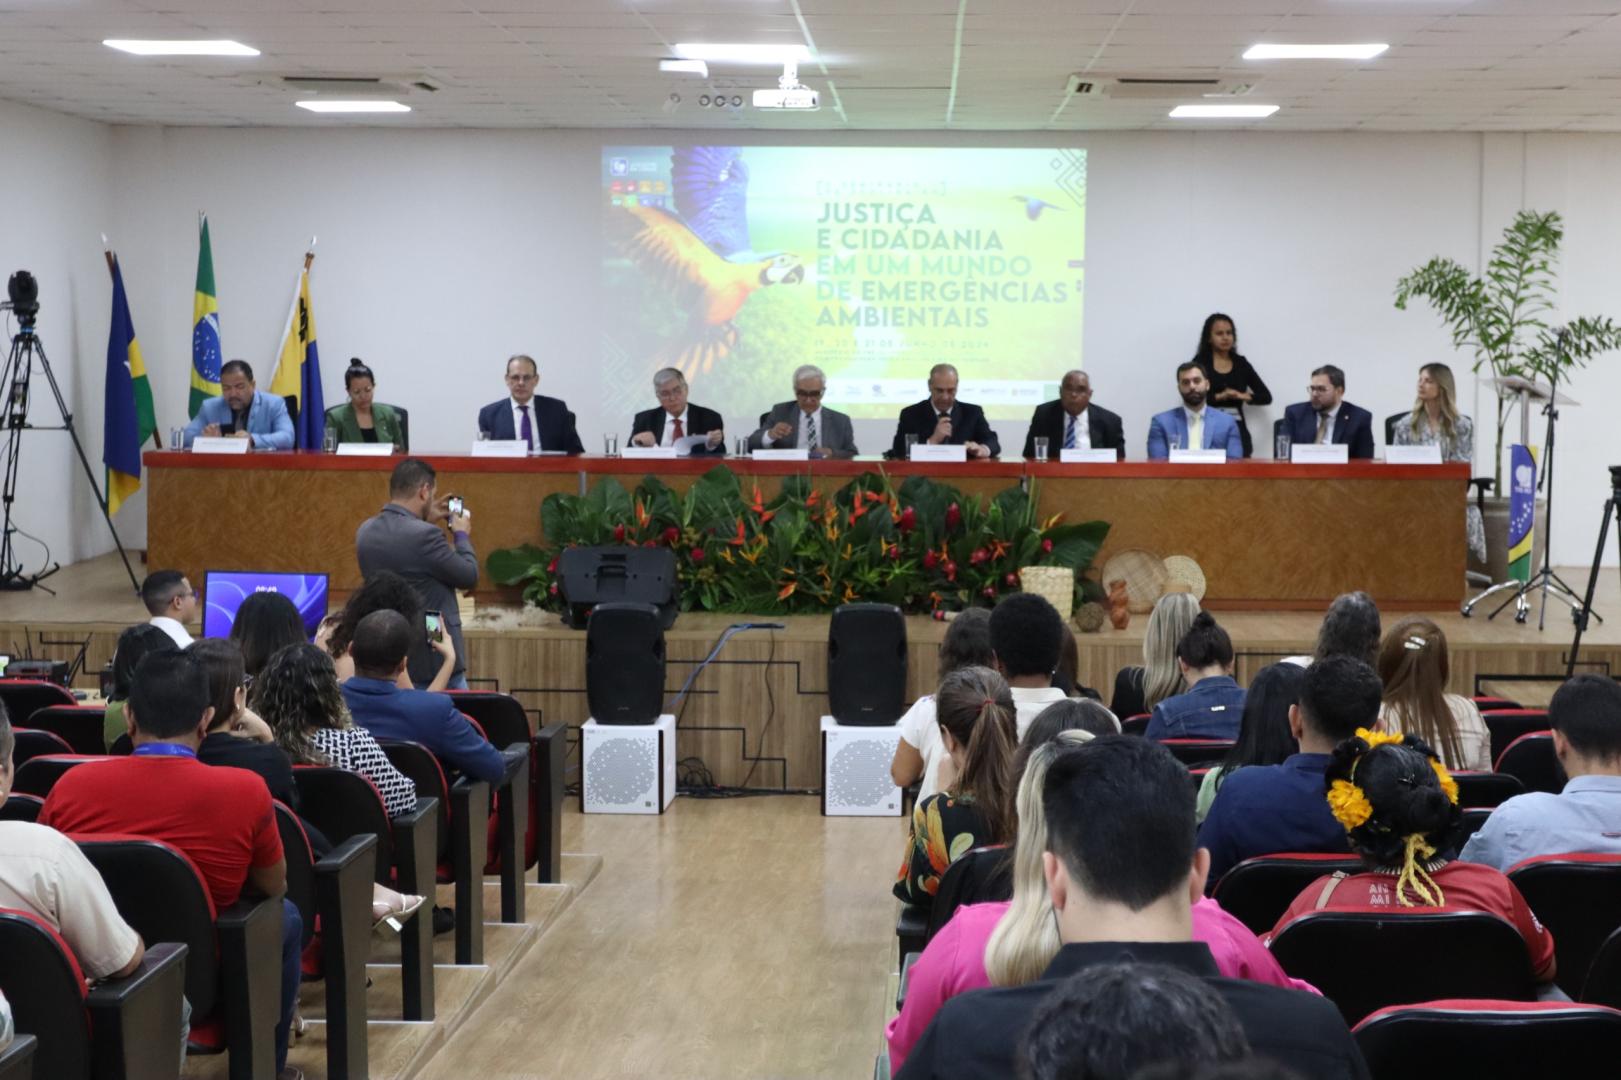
(742, 54)
(180, 48)
(1315, 52)
(1222, 112)
(353, 106)
(685, 67)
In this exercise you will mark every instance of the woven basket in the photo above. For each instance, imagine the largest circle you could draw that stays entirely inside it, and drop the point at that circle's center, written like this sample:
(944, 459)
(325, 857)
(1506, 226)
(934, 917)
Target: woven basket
(1144, 575)
(1182, 574)
(1055, 583)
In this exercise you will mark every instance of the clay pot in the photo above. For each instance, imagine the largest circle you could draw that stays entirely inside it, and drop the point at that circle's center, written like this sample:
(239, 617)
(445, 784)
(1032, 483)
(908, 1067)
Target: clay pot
(1119, 605)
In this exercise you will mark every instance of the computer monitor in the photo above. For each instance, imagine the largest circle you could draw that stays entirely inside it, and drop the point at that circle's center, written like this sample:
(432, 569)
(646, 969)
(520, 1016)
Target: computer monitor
(224, 591)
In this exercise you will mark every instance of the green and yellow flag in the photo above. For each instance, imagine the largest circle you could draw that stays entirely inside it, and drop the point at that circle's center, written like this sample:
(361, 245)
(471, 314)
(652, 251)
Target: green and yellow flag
(205, 328)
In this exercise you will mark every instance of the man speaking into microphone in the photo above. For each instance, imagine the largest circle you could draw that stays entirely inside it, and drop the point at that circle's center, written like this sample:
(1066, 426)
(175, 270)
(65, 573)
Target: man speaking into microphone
(942, 419)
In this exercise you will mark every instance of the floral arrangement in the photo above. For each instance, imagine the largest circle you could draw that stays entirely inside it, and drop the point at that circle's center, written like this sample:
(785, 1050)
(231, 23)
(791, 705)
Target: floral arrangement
(922, 546)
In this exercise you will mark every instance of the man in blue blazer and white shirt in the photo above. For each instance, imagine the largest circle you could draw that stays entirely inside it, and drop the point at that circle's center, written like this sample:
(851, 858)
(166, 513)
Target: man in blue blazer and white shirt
(1328, 417)
(544, 423)
(1211, 429)
(243, 412)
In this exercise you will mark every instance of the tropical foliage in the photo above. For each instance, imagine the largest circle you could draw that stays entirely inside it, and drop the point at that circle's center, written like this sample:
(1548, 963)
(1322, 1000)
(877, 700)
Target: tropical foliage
(922, 545)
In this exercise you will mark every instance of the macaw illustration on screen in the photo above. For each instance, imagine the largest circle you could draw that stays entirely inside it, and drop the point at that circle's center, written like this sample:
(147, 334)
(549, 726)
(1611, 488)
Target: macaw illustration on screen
(701, 253)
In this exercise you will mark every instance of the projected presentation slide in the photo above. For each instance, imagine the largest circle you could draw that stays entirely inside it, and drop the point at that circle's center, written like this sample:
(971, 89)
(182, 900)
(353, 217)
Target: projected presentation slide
(738, 264)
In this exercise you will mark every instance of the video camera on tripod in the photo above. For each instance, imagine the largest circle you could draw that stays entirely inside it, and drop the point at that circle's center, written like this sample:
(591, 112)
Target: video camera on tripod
(23, 288)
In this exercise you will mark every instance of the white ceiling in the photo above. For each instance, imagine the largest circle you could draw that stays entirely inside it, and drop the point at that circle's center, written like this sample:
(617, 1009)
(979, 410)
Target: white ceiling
(1453, 65)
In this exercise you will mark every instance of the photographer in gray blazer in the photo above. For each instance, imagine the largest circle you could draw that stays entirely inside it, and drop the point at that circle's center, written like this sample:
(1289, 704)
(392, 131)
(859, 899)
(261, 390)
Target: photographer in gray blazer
(803, 421)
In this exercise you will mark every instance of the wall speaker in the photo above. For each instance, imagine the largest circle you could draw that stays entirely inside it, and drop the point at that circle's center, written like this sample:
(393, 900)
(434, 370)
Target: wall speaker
(624, 664)
(866, 665)
(589, 576)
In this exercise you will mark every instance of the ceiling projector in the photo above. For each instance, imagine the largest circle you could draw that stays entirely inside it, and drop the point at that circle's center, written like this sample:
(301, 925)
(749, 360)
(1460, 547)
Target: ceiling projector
(790, 92)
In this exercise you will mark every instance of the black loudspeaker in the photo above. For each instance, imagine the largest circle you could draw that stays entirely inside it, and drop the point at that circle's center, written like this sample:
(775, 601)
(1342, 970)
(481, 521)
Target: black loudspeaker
(866, 664)
(624, 664)
(588, 576)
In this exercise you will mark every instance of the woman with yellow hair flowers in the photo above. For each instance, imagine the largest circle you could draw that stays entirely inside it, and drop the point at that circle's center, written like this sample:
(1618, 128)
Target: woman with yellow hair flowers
(1399, 807)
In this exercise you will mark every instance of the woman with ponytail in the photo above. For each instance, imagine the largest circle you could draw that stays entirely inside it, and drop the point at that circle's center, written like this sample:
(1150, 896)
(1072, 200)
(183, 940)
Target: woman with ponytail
(974, 804)
(1399, 807)
(360, 419)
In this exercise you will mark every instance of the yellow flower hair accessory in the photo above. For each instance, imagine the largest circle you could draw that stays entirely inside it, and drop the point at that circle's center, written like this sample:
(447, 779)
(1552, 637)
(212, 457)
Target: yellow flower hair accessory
(1349, 805)
(1448, 785)
(1379, 738)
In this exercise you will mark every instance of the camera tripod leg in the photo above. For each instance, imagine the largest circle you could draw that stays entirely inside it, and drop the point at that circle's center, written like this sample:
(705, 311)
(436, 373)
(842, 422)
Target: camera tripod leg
(1612, 509)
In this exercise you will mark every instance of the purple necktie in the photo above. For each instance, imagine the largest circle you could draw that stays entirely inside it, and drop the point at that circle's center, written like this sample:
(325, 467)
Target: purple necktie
(527, 431)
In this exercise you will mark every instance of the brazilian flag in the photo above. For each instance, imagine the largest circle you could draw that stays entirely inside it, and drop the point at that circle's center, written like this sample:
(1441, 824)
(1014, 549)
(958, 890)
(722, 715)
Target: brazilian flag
(130, 419)
(1522, 505)
(205, 328)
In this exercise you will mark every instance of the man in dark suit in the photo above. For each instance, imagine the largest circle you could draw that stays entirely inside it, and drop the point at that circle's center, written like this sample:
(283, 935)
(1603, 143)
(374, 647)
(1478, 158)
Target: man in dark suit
(1122, 872)
(381, 643)
(544, 423)
(944, 420)
(676, 418)
(1073, 422)
(804, 422)
(1328, 417)
(406, 537)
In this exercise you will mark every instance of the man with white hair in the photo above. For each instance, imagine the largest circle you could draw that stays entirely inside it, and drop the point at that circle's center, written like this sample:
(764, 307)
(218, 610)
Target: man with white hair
(943, 420)
(675, 418)
(804, 422)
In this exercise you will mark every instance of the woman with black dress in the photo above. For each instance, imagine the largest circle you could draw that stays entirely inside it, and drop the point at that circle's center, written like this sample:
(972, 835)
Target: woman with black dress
(1233, 382)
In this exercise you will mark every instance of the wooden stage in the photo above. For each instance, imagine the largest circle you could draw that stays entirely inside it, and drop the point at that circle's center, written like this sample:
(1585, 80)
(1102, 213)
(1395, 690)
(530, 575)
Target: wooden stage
(764, 694)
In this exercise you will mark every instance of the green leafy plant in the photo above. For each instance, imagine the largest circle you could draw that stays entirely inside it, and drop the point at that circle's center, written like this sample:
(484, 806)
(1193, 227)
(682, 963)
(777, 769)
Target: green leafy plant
(1502, 317)
(921, 546)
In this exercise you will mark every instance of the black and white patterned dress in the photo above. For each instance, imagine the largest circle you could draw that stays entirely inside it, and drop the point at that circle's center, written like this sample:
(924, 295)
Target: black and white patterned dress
(354, 749)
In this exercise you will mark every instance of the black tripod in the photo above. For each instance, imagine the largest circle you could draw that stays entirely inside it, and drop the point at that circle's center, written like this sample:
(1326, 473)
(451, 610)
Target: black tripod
(15, 377)
(1612, 509)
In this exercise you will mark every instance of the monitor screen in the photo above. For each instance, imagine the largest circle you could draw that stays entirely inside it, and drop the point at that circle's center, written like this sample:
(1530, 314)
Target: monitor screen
(224, 591)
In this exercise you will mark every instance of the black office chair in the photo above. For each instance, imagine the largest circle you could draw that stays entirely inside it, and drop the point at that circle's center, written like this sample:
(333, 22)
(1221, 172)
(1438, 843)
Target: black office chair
(292, 408)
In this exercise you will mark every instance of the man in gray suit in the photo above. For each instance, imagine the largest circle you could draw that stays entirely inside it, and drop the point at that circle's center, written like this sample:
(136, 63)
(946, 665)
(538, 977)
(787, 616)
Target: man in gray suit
(803, 421)
(406, 537)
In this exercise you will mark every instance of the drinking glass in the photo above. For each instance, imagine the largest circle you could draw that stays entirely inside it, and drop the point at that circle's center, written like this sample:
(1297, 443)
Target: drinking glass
(1280, 449)
(1041, 448)
(329, 441)
(177, 438)
(610, 445)
(911, 441)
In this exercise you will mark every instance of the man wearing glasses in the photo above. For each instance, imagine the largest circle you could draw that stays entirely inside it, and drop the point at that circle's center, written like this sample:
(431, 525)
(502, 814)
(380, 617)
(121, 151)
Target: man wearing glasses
(171, 601)
(544, 423)
(1328, 417)
(803, 422)
(676, 418)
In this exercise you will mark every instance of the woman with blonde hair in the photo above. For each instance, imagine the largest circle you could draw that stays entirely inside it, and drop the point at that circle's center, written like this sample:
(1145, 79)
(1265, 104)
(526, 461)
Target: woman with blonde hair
(1138, 689)
(1414, 667)
(1436, 421)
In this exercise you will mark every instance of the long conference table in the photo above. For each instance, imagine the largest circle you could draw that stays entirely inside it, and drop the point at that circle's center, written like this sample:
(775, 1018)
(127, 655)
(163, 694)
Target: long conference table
(1267, 534)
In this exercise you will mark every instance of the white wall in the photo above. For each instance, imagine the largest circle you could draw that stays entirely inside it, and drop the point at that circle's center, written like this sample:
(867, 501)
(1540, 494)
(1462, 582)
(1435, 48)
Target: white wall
(443, 251)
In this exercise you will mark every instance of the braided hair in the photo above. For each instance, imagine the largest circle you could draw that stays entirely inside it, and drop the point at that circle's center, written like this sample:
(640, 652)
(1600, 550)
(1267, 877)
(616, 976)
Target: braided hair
(1399, 807)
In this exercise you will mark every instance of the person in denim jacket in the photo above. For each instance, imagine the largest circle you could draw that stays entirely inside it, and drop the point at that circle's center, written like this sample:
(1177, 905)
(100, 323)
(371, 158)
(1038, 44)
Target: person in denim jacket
(1213, 704)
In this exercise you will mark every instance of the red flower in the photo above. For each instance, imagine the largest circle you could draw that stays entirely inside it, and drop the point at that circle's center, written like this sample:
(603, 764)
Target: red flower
(980, 555)
(989, 591)
(931, 559)
(1011, 581)
(671, 535)
(1046, 547)
(647, 543)
(908, 520)
(951, 570)
(554, 588)
(619, 533)
(697, 554)
(895, 553)
(953, 516)
(551, 567)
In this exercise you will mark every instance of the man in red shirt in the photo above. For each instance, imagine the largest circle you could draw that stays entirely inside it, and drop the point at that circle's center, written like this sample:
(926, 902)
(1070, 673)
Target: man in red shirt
(221, 819)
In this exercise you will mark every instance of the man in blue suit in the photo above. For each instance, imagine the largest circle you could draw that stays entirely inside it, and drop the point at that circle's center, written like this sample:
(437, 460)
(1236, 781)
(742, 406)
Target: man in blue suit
(544, 423)
(1328, 417)
(243, 412)
(1211, 429)
(382, 641)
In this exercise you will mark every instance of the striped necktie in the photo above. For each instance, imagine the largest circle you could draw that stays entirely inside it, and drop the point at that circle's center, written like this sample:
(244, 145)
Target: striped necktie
(810, 432)
(1069, 435)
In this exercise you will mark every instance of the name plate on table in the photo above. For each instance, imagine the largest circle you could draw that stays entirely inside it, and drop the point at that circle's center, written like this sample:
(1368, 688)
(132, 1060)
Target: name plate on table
(1079, 456)
(500, 448)
(365, 449)
(939, 452)
(1319, 454)
(649, 452)
(1413, 455)
(1216, 456)
(219, 444)
(799, 453)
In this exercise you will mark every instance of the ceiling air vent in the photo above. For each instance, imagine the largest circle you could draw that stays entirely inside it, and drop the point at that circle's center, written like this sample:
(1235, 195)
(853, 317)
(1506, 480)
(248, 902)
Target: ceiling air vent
(1150, 88)
(355, 85)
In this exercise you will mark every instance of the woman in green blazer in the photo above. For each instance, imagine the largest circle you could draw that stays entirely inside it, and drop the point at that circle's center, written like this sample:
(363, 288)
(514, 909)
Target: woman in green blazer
(361, 420)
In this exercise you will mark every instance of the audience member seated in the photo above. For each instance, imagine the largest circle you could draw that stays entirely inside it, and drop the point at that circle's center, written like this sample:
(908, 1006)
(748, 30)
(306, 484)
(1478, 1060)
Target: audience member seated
(7, 1033)
(237, 737)
(1138, 689)
(299, 697)
(1071, 714)
(266, 623)
(45, 874)
(1122, 872)
(1114, 1020)
(381, 643)
(1213, 703)
(221, 819)
(1270, 809)
(1010, 944)
(1399, 807)
(1585, 715)
(1026, 634)
(974, 805)
(133, 646)
(171, 601)
(1414, 667)
(918, 753)
(1067, 677)
(1264, 737)
(1350, 628)
(384, 591)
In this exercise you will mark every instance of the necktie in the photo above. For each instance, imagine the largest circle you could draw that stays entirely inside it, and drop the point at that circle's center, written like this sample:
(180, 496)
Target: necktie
(526, 431)
(677, 434)
(1069, 435)
(1322, 427)
(810, 432)
(1196, 432)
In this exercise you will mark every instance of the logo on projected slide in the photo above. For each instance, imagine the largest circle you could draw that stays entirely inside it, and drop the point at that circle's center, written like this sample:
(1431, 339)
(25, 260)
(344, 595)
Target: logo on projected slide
(618, 166)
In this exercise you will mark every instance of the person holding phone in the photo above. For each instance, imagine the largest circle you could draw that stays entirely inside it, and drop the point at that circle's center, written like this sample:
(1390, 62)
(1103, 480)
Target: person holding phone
(387, 591)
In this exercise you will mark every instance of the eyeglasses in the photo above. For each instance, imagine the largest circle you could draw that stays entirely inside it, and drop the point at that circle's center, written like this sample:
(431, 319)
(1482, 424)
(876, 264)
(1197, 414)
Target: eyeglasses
(522, 378)
(672, 393)
(811, 395)
(1319, 389)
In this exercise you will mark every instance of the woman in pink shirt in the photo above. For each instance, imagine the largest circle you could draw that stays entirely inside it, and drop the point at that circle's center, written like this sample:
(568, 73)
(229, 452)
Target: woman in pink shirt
(1011, 943)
